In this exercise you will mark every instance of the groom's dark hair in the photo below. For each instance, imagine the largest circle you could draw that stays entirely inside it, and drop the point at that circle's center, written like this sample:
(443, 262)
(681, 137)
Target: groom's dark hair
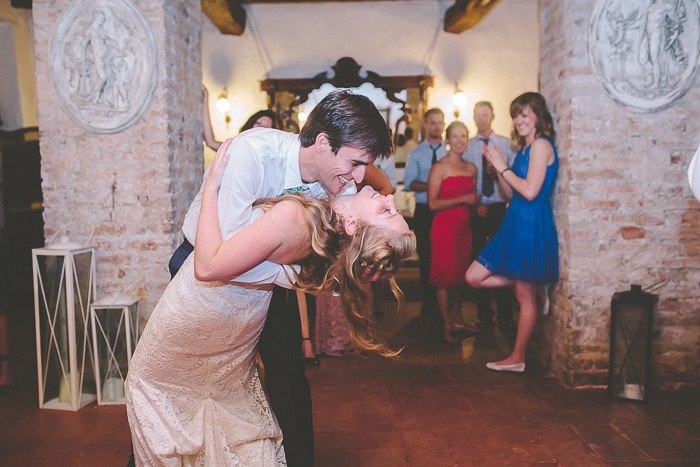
(348, 119)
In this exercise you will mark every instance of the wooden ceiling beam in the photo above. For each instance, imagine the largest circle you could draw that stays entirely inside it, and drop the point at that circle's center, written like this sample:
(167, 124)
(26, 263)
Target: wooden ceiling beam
(227, 15)
(466, 14)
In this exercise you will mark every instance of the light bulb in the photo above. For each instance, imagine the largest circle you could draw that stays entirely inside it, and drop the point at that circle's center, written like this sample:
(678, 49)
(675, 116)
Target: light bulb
(459, 99)
(222, 105)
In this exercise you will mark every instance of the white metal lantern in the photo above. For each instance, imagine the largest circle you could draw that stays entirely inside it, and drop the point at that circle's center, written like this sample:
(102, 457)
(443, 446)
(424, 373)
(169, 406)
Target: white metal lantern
(64, 287)
(115, 331)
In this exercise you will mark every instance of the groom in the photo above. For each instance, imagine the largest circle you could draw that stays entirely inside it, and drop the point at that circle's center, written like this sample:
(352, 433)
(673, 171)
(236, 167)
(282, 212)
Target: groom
(343, 134)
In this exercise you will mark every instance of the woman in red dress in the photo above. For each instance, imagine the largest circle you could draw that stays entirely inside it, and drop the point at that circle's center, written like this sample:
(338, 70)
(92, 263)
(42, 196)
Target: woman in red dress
(451, 194)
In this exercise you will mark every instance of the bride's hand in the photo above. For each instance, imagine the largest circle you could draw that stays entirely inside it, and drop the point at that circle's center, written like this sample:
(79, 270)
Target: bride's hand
(370, 274)
(216, 170)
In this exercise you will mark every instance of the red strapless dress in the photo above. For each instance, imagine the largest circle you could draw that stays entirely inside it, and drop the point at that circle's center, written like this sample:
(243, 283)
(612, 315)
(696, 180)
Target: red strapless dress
(451, 236)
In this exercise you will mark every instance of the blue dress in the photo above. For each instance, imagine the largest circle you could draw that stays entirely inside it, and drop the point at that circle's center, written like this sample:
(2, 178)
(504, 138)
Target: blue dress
(526, 247)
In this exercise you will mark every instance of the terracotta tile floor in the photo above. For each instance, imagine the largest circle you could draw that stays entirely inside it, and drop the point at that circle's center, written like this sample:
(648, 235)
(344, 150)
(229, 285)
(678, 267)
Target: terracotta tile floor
(435, 406)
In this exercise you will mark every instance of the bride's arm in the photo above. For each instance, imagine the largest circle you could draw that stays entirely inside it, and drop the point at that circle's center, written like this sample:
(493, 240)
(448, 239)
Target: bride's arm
(216, 260)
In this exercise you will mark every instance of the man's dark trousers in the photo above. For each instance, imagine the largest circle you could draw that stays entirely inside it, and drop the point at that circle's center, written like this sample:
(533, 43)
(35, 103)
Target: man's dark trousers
(285, 379)
(422, 223)
(483, 230)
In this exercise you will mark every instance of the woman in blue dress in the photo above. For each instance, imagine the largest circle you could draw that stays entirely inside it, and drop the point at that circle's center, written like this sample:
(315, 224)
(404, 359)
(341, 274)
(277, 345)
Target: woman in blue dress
(524, 253)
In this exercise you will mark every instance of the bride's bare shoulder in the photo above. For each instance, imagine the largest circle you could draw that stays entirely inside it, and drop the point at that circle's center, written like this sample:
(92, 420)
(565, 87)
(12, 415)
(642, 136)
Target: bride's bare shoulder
(288, 214)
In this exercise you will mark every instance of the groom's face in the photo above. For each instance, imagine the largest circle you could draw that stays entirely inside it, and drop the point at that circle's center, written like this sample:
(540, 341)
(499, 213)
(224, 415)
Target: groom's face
(338, 169)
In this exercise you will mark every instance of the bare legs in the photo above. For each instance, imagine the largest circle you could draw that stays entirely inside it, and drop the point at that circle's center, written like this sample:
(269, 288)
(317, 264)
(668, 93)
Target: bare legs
(478, 276)
(450, 304)
(525, 292)
(454, 296)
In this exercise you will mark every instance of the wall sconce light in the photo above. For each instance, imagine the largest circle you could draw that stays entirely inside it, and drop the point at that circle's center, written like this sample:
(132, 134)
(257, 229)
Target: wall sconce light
(223, 105)
(459, 100)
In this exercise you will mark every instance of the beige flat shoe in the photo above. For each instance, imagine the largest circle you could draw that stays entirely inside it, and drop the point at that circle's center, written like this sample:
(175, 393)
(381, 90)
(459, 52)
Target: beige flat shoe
(513, 368)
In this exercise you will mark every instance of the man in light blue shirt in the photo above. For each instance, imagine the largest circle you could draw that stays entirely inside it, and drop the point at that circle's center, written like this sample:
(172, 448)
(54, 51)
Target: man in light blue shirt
(490, 212)
(420, 160)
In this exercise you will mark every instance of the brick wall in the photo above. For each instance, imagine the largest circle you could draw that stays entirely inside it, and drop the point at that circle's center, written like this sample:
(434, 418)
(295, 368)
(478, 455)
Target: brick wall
(624, 211)
(134, 187)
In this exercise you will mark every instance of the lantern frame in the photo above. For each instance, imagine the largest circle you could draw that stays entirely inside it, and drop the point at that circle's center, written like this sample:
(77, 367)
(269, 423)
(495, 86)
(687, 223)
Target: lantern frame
(71, 315)
(128, 324)
(622, 364)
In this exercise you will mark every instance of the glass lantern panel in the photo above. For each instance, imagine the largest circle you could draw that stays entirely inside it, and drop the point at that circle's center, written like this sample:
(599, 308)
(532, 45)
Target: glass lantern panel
(53, 327)
(82, 284)
(83, 279)
(111, 352)
(629, 367)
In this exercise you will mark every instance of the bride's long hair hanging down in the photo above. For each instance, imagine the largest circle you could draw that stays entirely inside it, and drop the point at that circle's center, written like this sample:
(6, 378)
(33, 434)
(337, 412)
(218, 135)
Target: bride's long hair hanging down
(337, 261)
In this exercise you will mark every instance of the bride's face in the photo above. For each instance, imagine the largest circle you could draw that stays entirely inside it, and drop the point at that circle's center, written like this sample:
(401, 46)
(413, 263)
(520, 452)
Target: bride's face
(371, 207)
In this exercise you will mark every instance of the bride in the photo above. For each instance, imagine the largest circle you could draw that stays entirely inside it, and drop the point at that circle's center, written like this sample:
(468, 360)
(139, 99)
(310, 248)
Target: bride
(193, 392)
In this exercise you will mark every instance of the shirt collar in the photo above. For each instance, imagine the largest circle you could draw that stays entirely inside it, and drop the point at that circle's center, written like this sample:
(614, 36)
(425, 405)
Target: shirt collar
(487, 138)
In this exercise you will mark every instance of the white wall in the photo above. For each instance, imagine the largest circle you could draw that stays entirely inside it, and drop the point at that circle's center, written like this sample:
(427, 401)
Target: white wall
(497, 60)
(17, 83)
(10, 109)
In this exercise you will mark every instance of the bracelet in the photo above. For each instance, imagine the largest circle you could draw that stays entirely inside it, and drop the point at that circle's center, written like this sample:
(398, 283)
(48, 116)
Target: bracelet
(505, 170)
(306, 338)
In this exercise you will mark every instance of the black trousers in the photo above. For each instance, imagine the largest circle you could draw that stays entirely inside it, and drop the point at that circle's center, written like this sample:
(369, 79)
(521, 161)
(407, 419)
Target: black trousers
(422, 223)
(285, 379)
(483, 229)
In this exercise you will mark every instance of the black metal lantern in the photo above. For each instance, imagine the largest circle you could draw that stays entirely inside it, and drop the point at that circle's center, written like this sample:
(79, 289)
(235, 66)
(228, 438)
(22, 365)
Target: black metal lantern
(632, 314)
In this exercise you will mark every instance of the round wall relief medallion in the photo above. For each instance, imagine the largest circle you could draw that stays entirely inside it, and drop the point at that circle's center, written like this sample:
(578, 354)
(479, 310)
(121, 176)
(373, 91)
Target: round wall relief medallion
(104, 64)
(645, 52)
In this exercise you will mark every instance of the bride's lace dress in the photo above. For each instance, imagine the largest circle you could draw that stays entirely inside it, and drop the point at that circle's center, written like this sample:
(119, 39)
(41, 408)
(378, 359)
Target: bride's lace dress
(193, 392)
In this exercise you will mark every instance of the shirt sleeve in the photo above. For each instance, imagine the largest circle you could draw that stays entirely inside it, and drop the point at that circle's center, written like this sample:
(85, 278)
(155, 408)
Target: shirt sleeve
(510, 150)
(388, 167)
(470, 154)
(411, 172)
(242, 186)
(269, 273)
(189, 225)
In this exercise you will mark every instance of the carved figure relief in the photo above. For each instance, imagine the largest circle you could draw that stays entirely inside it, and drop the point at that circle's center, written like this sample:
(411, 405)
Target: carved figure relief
(645, 53)
(104, 65)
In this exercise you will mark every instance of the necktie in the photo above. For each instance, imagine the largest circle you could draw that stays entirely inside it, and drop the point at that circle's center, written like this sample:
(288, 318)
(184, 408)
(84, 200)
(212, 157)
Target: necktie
(435, 152)
(486, 180)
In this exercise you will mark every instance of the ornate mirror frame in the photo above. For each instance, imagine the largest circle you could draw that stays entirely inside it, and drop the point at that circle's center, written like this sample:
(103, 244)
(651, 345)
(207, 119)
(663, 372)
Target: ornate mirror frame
(285, 95)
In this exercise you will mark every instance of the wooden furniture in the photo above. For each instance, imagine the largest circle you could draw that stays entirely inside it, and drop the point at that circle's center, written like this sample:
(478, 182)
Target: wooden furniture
(285, 95)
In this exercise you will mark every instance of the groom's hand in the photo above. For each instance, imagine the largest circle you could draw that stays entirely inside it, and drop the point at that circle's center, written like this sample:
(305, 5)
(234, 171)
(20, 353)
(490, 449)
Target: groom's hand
(370, 274)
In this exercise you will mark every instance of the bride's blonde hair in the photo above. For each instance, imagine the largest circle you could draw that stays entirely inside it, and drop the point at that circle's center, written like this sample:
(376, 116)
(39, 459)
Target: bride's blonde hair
(337, 261)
